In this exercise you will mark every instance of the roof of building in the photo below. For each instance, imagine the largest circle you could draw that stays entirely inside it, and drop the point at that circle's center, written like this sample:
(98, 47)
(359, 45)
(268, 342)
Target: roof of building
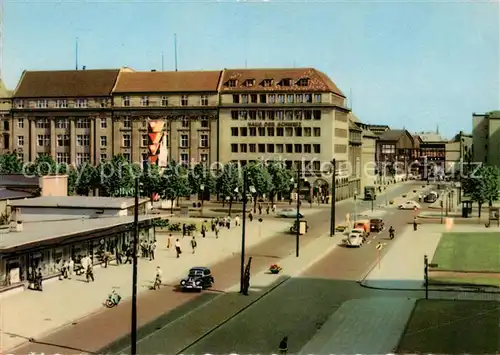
(37, 232)
(317, 81)
(4, 92)
(392, 134)
(19, 180)
(7, 194)
(78, 202)
(431, 137)
(168, 81)
(66, 83)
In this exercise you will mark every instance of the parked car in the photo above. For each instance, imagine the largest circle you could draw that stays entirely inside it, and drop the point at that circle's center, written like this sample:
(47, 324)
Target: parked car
(355, 238)
(198, 279)
(409, 205)
(376, 224)
(289, 213)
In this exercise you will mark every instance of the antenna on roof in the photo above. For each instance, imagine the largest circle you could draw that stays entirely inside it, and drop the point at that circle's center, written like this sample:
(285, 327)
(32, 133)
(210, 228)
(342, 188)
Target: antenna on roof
(162, 62)
(76, 54)
(175, 50)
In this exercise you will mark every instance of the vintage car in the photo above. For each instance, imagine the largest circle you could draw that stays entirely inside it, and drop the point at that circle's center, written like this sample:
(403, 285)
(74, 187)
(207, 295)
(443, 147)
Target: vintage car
(198, 279)
(376, 224)
(289, 213)
(409, 205)
(355, 238)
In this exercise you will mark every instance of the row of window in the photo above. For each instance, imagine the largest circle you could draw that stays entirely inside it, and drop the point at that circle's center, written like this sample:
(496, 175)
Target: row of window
(275, 148)
(295, 164)
(285, 82)
(146, 101)
(60, 103)
(276, 98)
(278, 115)
(276, 131)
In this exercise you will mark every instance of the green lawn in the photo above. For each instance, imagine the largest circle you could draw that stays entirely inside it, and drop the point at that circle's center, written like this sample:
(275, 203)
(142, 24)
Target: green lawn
(452, 327)
(468, 252)
(466, 281)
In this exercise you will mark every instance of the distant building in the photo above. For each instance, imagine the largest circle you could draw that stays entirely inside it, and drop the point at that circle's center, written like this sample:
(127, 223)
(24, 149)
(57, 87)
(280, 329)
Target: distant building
(486, 137)
(396, 150)
(458, 151)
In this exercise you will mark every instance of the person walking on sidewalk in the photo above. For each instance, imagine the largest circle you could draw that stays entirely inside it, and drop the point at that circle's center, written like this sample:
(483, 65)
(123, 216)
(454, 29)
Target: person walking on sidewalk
(158, 276)
(283, 347)
(203, 231)
(90, 272)
(169, 241)
(250, 216)
(178, 248)
(216, 232)
(415, 226)
(71, 268)
(152, 249)
(193, 244)
(237, 221)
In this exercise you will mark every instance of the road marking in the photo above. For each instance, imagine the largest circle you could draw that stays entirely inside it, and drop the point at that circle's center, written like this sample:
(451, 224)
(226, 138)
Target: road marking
(368, 242)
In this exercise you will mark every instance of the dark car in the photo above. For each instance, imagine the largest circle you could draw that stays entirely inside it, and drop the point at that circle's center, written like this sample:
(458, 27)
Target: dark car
(376, 224)
(198, 279)
(430, 198)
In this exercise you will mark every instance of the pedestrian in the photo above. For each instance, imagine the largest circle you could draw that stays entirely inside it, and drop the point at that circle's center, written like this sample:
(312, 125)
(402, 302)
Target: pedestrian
(90, 273)
(415, 224)
(250, 216)
(39, 280)
(128, 255)
(184, 230)
(216, 232)
(283, 347)
(228, 222)
(178, 248)
(118, 256)
(169, 241)
(203, 231)
(193, 244)
(267, 209)
(260, 208)
(212, 224)
(157, 282)
(71, 268)
(152, 249)
(237, 220)
(105, 258)
(274, 208)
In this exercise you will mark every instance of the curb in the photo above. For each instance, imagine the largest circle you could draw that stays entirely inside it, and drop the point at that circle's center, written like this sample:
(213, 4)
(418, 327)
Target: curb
(431, 289)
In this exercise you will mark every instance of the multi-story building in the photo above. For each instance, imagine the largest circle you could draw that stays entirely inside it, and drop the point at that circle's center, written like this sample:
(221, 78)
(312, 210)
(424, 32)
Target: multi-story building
(368, 151)
(458, 151)
(295, 115)
(486, 137)
(432, 153)
(355, 155)
(396, 150)
(5, 108)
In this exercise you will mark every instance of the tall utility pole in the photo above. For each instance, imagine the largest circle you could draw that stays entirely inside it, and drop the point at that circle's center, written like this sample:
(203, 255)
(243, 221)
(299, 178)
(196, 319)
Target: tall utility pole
(243, 228)
(76, 53)
(332, 210)
(133, 322)
(297, 236)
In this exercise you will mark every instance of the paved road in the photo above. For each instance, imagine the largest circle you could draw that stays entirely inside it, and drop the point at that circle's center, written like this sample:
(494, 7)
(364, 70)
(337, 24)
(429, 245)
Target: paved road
(96, 332)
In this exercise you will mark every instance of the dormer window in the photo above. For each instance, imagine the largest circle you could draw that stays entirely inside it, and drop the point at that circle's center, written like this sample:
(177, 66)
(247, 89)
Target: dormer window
(250, 83)
(303, 82)
(231, 83)
(286, 82)
(267, 82)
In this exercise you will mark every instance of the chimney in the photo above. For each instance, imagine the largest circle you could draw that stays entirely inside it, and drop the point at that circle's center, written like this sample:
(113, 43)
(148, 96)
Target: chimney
(16, 224)
(84, 67)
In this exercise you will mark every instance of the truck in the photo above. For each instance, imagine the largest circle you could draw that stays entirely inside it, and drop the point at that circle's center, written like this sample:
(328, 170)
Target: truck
(370, 193)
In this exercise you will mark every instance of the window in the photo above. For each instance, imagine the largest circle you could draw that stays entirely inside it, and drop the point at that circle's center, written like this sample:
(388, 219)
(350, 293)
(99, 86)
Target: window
(388, 149)
(234, 115)
(308, 98)
(204, 122)
(126, 122)
(184, 100)
(243, 148)
(316, 148)
(244, 98)
(83, 123)
(104, 103)
(299, 98)
(243, 131)
(19, 104)
(62, 123)
(204, 100)
(43, 140)
(204, 141)
(316, 165)
(286, 82)
(82, 158)
(126, 156)
(262, 131)
(231, 83)
(61, 103)
(298, 131)
(63, 140)
(270, 131)
(126, 100)
(298, 148)
(104, 141)
(42, 123)
(42, 103)
(307, 148)
(308, 115)
(6, 125)
(263, 98)
(289, 115)
(249, 83)
(303, 82)
(204, 158)
(236, 99)
(6, 141)
(261, 115)
(270, 115)
(298, 115)
(267, 82)
(20, 141)
(83, 140)
(144, 140)
(126, 140)
(104, 123)
(289, 98)
(252, 115)
(81, 103)
(20, 123)
(281, 98)
(234, 148)
(317, 131)
(252, 131)
(279, 115)
(289, 148)
(185, 123)
(184, 141)
(62, 158)
(262, 148)
(270, 148)
(272, 99)
(317, 98)
(288, 131)
(307, 131)
(234, 131)
(279, 148)
(145, 101)
(253, 148)
(317, 114)
(104, 156)
(253, 98)
(279, 131)
(164, 100)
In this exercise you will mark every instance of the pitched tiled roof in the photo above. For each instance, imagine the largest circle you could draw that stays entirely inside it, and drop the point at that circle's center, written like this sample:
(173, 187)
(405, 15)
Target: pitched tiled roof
(392, 135)
(316, 80)
(66, 83)
(180, 81)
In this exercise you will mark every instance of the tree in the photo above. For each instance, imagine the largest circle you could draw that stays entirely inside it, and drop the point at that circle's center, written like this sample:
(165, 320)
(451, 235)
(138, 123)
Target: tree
(151, 180)
(482, 186)
(174, 183)
(281, 179)
(116, 177)
(260, 179)
(44, 165)
(82, 179)
(199, 176)
(10, 164)
(228, 183)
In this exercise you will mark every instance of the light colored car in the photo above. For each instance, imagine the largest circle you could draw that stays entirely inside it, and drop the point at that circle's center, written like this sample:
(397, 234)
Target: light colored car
(409, 205)
(355, 238)
(289, 213)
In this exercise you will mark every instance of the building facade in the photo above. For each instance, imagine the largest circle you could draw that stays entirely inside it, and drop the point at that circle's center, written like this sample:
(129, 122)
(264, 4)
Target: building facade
(458, 151)
(486, 137)
(395, 152)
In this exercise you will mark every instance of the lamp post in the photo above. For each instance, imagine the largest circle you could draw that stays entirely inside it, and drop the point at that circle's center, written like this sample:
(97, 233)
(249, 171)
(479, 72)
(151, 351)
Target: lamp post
(133, 322)
(297, 236)
(355, 205)
(243, 226)
(332, 210)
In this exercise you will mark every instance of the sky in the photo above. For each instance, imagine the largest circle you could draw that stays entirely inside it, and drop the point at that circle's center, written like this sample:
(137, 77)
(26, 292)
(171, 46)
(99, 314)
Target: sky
(417, 65)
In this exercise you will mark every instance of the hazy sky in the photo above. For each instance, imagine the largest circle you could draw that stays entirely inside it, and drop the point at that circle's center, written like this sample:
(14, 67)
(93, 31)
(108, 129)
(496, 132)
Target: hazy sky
(414, 64)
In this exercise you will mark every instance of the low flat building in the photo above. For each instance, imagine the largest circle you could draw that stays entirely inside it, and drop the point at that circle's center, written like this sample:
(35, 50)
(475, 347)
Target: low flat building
(45, 245)
(75, 207)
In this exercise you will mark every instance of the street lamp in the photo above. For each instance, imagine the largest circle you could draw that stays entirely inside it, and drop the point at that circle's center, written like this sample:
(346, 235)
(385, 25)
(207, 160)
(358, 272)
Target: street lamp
(133, 322)
(355, 205)
(243, 226)
(202, 190)
(332, 209)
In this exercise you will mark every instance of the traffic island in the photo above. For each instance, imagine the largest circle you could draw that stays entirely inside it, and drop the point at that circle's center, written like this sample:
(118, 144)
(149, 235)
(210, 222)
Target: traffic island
(466, 260)
(452, 327)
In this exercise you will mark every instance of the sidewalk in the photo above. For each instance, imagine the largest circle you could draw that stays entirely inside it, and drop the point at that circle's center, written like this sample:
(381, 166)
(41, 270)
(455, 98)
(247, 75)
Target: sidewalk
(31, 314)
